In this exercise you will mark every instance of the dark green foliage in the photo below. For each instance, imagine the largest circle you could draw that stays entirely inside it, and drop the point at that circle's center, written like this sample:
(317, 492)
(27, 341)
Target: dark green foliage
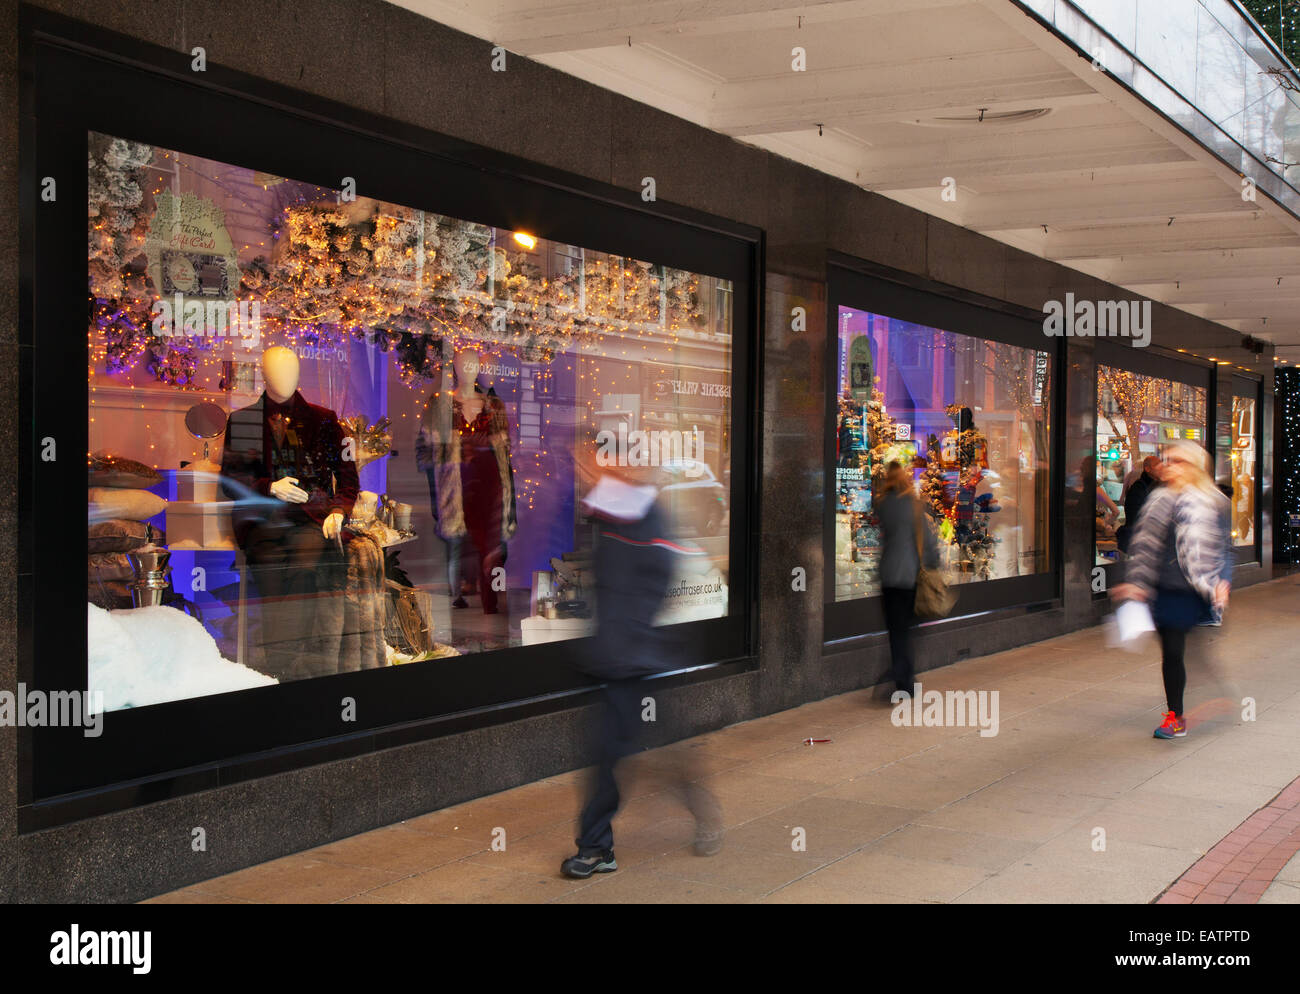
(1281, 19)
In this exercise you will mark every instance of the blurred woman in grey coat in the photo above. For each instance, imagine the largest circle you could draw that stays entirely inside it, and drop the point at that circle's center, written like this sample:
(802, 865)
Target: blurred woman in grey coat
(901, 518)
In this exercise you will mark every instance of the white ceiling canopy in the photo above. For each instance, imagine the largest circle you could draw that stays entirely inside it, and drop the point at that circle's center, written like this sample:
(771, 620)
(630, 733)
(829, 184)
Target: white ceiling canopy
(1045, 153)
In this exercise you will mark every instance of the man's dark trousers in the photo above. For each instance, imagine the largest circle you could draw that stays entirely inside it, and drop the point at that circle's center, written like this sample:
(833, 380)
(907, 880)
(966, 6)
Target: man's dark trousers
(619, 732)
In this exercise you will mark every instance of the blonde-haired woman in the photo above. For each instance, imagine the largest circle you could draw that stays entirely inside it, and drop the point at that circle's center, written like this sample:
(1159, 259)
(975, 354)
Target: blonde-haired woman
(1177, 564)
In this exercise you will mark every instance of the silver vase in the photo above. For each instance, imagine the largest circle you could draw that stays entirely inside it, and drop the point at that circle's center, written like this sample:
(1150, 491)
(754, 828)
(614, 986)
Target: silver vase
(151, 582)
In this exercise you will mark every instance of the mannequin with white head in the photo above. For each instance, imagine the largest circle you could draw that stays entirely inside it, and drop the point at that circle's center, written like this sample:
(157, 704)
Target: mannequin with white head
(463, 447)
(468, 363)
(296, 453)
(280, 372)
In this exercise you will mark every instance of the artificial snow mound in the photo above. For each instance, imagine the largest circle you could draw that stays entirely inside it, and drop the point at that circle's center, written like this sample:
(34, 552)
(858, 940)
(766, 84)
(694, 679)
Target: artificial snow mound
(150, 655)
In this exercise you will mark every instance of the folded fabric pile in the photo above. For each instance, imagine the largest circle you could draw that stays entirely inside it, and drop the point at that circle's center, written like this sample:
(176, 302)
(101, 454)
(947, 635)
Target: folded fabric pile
(119, 506)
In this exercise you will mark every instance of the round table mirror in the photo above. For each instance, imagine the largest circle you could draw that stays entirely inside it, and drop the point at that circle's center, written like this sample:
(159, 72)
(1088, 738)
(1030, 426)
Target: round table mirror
(205, 420)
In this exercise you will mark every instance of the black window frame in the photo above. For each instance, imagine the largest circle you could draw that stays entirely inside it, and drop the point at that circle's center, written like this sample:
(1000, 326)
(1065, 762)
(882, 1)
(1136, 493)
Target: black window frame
(150, 753)
(866, 286)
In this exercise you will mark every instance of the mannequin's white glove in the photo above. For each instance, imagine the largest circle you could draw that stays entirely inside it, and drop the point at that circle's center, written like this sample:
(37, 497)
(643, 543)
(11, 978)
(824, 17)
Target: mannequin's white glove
(285, 490)
(330, 529)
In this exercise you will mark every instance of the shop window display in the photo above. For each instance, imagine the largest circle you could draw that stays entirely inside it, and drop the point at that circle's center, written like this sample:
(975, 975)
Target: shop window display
(972, 420)
(1243, 458)
(329, 433)
(1137, 417)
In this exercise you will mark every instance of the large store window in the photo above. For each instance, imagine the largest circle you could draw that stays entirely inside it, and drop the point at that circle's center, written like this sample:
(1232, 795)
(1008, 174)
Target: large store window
(1138, 415)
(348, 385)
(352, 431)
(970, 418)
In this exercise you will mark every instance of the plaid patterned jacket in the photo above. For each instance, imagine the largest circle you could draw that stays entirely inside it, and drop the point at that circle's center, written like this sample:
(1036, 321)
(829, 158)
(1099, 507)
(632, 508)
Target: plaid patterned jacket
(1199, 540)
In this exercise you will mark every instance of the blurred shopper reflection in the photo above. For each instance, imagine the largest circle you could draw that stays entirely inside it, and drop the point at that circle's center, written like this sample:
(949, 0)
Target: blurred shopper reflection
(1177, 565)
(1135, 498)
(904, 535)
(635, 560)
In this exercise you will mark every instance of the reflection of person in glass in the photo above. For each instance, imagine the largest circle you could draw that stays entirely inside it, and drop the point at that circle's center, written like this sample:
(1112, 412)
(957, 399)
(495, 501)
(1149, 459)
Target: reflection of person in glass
(1104, 510)
(850, 429)
(464, 446)
(287, 449)
(1135, 499)
(1179, 565)
(635, 560)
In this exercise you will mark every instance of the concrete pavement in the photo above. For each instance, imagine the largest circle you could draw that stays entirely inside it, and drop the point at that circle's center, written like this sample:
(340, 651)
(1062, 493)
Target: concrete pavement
(1072, 800)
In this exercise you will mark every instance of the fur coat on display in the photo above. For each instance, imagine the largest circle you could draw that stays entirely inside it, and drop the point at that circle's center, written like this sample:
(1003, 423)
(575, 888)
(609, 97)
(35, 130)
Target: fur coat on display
(364, 605)
(438, 452)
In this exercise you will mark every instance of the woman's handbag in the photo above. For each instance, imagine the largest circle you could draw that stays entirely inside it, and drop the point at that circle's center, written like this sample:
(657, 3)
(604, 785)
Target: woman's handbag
(934, 598)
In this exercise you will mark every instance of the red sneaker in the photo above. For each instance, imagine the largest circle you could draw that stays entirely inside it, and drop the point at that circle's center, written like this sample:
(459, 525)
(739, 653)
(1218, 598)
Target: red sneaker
(1173, 728)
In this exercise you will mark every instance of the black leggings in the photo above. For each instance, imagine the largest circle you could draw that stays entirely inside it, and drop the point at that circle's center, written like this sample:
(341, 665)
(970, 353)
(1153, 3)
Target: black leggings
(1173, 641)
(900, 615)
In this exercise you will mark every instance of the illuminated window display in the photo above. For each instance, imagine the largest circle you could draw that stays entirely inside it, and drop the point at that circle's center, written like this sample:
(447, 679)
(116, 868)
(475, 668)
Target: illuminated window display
(1137, 417)
(329, 433)
(1243, 458)
(972, 419)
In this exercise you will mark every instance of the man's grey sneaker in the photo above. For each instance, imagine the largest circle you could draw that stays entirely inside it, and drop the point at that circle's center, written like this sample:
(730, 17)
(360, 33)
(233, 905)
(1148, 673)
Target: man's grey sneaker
(581, 867)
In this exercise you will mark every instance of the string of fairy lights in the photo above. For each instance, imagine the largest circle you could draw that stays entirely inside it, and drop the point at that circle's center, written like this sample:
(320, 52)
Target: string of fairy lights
(417, 286)
(1287, 391)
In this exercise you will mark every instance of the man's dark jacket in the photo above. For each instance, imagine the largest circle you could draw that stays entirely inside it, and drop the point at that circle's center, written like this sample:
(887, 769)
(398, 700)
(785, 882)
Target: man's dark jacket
(312, 453)
(1137, 495)
(635, 563)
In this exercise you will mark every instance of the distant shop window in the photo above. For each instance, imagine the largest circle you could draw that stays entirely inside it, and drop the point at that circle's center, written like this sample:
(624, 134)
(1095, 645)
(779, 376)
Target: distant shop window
(970, 418)
(1138, 416)
(1243, 458)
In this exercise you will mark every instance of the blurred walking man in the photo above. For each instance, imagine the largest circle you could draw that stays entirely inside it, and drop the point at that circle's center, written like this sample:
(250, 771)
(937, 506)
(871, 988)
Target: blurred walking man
(635, 561)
